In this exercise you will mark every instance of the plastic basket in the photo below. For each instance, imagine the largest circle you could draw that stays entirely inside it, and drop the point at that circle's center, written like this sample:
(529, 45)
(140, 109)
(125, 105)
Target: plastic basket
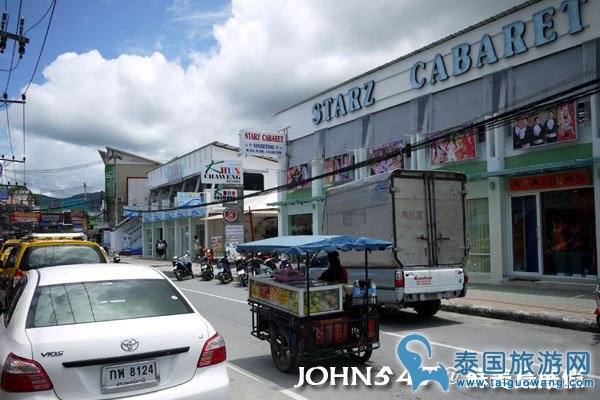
(328, 332)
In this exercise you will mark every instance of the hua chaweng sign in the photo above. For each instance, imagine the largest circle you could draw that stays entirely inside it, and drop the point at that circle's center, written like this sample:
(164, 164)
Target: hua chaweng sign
(222, 172)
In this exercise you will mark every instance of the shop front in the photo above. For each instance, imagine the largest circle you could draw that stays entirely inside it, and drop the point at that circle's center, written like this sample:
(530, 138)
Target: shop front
(553, 224)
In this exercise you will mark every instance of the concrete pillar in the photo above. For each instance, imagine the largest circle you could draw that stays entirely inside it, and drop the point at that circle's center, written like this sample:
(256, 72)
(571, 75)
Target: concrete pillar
(595, 116)
(282, 215)
(316, 168)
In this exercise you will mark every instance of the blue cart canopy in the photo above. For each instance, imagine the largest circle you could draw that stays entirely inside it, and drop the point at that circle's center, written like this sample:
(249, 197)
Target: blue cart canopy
(298, 245)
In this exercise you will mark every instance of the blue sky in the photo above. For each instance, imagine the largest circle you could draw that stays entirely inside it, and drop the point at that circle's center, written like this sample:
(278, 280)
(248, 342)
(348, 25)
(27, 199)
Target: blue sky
(160, 78)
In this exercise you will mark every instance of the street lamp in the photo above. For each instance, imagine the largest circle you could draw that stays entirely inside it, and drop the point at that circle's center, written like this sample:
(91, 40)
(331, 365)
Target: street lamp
(114, 156)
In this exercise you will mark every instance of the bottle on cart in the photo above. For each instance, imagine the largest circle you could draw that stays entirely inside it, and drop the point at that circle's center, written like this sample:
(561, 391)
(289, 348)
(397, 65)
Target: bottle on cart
(356, 289)
(372, 291)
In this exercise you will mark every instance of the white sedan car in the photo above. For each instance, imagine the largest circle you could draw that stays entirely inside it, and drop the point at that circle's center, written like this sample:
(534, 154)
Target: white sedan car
(103, 331)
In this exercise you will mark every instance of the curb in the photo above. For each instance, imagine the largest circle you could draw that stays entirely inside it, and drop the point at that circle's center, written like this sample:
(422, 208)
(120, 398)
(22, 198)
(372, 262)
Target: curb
(523, 316)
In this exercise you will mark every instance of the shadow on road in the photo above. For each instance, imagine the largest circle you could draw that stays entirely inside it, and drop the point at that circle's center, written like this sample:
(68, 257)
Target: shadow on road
(411, 320)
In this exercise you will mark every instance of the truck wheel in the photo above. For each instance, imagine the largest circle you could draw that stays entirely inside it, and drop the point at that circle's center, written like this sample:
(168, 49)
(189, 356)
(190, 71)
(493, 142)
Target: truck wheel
(362, 356)
(428, 308)
(281, 350)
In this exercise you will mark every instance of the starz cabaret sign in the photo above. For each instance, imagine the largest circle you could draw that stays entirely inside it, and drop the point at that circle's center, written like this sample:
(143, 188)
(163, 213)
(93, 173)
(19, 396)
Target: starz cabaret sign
(490, 370)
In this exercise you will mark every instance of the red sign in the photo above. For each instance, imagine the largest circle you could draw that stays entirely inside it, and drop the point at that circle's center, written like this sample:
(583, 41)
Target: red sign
(230, 214)
(26, 216)
(551, 181)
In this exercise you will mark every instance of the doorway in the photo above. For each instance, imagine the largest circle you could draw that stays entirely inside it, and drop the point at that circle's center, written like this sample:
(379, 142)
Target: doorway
(525, 234)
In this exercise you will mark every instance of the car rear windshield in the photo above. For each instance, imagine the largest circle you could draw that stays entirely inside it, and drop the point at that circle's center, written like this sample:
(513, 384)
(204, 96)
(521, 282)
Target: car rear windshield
(85, 302)
(60, 254)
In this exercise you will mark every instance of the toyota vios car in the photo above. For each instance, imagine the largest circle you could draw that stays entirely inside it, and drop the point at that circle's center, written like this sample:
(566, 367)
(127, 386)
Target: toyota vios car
(107, 331)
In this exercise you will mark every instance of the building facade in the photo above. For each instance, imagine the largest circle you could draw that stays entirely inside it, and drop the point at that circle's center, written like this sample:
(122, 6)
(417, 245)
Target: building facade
(186, 201)
(511, 102)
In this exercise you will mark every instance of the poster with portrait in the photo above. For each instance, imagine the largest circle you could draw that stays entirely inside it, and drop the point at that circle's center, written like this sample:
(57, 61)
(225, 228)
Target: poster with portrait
(451, 148)
(549, 126)
(387, 164)
(334, 163)
(298, 174)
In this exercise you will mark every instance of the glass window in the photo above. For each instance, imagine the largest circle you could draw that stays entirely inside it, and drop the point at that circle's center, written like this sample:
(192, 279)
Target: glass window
(569, 232)
(301, 224)
(478, 229)
(12, 299)
(254, 181)
(47, 256)
(85, 302)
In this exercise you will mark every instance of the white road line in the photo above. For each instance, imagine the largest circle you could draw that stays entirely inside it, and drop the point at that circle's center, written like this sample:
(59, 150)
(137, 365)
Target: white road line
(215, 295)
(384, 332)
(272, 385)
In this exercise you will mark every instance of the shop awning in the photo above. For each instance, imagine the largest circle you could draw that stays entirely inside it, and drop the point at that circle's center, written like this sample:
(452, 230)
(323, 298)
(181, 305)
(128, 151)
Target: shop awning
(297, 201)
(554, 166)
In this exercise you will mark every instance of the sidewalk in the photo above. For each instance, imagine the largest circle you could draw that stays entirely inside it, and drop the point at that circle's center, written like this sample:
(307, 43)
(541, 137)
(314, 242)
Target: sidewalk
(564, 306)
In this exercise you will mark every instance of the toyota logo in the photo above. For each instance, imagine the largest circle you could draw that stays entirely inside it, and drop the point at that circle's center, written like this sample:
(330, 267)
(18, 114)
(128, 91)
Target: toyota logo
(129, 345)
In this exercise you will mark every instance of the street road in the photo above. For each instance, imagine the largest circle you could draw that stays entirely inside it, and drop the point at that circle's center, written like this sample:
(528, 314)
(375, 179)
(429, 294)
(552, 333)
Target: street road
(253, 375)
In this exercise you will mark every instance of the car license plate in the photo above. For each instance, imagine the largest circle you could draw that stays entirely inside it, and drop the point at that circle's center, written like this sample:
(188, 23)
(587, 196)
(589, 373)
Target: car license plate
(430, 296)
(129, 376)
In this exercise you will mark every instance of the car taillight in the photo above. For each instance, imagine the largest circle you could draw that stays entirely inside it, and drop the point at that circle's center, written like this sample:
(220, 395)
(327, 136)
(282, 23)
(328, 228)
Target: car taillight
(213, 352)
(399, 279)
(18, 273)
(23, 375)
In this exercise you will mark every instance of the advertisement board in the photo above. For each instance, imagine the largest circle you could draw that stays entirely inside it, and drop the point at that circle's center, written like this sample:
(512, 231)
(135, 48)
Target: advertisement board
(262, 143)
(388, 164)
(457, 147)
(549, 126)
(189, 199)
(336, 162)
(297, 174)
(222, 172)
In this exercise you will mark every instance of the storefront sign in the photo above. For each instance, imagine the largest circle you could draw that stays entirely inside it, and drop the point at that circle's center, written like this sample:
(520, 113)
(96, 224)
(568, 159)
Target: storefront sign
(262, 143)
(3, 192)
(77, 216)
(225, 194)
(26, 216)
(354, 100)
(336, 162)
(551, 181)
(189, 199)
(222, 172)
(458, 147)
(389, 164)
(549, 126)
(298, 174)
(234, 234)
(513, 37)
(51, 219)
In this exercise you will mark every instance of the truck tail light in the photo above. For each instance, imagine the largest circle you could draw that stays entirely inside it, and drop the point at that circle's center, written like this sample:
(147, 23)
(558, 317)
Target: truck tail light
(23, 375)
(213, 352)
(466, 279)
(399, 279)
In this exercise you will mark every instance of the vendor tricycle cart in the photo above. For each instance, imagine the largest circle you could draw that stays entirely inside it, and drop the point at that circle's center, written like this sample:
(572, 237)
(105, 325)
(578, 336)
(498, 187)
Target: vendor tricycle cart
(308, 320)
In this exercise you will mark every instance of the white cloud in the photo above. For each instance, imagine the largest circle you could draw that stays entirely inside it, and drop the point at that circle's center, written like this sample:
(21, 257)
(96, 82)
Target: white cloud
(269, 55)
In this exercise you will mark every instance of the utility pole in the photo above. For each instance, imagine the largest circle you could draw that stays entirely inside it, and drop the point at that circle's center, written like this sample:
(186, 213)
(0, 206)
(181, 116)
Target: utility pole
(114, 156)
(84, 191)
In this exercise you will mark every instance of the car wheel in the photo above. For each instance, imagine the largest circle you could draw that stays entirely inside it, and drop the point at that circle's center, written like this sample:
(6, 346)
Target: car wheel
(428, 308)
(281, 350)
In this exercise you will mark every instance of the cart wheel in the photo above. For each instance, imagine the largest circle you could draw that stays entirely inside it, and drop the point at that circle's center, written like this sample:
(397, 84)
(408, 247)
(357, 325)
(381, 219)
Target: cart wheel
(281, 351)
(362, 356)
(598, 319)
(428, 308)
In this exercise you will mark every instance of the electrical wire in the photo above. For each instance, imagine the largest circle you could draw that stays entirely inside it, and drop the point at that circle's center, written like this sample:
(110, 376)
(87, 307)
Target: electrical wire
(65, 169)
(37, 63)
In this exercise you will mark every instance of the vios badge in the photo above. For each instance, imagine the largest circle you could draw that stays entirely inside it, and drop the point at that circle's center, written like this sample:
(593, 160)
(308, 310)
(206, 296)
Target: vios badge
(129, 345)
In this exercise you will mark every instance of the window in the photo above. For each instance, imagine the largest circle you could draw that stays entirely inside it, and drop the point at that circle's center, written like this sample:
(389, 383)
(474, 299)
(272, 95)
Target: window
(47, 256)
(85, 302)
(478, 229)
(301, 224)
(254, 181)
(12, 299)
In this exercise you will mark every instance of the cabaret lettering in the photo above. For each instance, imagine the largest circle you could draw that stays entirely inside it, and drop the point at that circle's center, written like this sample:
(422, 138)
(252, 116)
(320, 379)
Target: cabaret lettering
(513, 41)
(355, 99)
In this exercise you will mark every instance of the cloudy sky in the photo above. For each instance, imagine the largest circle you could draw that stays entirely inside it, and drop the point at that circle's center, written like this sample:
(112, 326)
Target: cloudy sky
(160, 78)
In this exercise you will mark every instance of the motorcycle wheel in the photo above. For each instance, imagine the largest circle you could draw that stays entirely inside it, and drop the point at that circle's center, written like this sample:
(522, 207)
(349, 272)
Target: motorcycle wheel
(228, 278)
(243, 281)
(178, 275)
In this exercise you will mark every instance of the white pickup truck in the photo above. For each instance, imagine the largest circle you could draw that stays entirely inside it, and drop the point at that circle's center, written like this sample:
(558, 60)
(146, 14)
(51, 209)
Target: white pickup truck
(423, 213)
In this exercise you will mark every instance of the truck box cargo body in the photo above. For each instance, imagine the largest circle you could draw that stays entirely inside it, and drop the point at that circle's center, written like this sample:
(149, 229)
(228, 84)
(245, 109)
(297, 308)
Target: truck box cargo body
(423, 213)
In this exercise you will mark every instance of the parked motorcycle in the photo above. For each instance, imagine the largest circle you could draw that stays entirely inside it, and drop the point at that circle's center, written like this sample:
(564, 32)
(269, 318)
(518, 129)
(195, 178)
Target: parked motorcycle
(206, 269)
(224, 274)
(182, 267)
(241, 266)
(597, 293)
(116, 257)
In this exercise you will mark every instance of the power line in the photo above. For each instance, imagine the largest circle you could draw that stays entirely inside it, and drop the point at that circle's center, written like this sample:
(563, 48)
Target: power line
(43, 46)
(64, 169)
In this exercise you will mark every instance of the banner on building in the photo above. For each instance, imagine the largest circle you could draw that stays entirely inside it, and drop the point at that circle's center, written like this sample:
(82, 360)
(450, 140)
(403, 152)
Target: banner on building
(77, 216)
(298, 174)
(222, 172)
(388, 164)
(3, 192)
(334, 163)
(549, 126)
(189, 199)
(26, 216)
(174, 171)
(262, 143)
(452, 147)
(132, 211)
(51, 219)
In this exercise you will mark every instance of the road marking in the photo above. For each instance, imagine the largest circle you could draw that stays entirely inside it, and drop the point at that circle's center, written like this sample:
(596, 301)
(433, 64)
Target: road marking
(270, 384)
(384, 332)
(215, 295)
